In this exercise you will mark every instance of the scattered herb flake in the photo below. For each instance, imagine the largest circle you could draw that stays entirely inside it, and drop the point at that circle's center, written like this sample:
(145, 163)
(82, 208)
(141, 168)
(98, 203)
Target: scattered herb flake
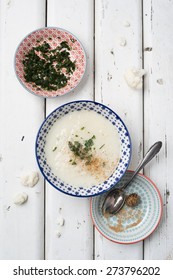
(54, 149)
(82, 128)
(102, 146)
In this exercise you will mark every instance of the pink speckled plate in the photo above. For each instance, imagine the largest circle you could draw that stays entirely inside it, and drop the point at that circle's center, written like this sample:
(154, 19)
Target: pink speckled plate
(57, 35)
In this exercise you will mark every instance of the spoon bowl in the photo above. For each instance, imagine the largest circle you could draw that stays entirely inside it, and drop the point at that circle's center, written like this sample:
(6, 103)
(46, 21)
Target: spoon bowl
(115, 199)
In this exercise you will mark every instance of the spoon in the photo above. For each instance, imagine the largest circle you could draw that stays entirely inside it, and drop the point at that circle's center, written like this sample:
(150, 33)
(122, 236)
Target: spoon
(115, 199)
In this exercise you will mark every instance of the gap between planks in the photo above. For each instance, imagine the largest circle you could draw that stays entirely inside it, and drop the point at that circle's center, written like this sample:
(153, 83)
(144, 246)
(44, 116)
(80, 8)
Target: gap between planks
(143, 119)
(46, 7)
(93, 98)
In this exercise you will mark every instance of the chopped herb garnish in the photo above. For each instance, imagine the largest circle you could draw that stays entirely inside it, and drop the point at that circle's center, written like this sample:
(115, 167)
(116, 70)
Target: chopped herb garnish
(47, 68)
(102, 146)
(88, 144)
(82, 150)
(64, 45)
(82, 128)
(88, 160)
(74, 163)
(76, 135)
(54, 149)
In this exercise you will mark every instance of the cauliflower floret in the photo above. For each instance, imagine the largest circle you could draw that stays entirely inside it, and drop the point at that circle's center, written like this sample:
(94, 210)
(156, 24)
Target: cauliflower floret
(133, 77)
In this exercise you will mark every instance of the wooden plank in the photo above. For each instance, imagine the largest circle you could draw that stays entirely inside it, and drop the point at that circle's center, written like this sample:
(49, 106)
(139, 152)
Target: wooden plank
(112, 61)
(158, 38)
(76, 235)
(22, 227)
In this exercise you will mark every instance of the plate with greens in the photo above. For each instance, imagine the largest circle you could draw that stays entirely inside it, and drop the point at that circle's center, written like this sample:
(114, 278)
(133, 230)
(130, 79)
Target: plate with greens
(50, 62)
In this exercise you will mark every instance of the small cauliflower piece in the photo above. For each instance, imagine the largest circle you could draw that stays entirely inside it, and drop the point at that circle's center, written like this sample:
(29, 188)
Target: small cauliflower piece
(30, 180)
(60, 221)
(122, 41)
(126, 23)
(20, 198)
(133, 77)
(58, 234)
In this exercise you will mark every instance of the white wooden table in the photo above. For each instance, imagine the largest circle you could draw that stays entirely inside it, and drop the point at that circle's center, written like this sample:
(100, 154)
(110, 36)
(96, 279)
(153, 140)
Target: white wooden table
(29, 231)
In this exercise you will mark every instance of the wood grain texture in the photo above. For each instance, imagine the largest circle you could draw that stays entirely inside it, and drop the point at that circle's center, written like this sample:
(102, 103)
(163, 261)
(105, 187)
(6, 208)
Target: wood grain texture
(21, 227)
(112, 61)
(76, 235)
(158, 37)
(99, 25)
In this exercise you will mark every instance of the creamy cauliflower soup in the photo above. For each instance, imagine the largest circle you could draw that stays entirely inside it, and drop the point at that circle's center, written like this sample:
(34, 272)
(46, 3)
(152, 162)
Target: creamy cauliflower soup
(83, 148)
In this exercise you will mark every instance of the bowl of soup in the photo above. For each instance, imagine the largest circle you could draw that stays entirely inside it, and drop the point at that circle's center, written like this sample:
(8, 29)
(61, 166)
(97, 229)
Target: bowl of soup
(83, 148)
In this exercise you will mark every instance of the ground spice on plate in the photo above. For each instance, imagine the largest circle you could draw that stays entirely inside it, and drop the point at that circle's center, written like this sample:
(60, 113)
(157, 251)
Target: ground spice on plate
(123, 216)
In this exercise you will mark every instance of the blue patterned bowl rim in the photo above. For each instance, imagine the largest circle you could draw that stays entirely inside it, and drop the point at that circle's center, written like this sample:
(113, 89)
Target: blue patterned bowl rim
(56, 185)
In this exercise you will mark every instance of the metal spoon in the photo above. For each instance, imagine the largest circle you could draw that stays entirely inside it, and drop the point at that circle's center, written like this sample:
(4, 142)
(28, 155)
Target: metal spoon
(115, 199)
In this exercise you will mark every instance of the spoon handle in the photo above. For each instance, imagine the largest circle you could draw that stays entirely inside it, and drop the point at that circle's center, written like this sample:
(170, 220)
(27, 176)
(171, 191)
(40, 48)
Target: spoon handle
(155, 148)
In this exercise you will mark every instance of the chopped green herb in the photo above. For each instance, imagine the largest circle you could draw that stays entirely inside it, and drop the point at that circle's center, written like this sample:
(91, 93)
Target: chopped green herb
(64, 45)
(104, 163)
(76, 135)
(88, 144)
(75, 147)
(88, 160)
(54, 149)
(73, 40)
(102, 146)
(82, 151)
(44, 67)
(74, 163)
(82, 128)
